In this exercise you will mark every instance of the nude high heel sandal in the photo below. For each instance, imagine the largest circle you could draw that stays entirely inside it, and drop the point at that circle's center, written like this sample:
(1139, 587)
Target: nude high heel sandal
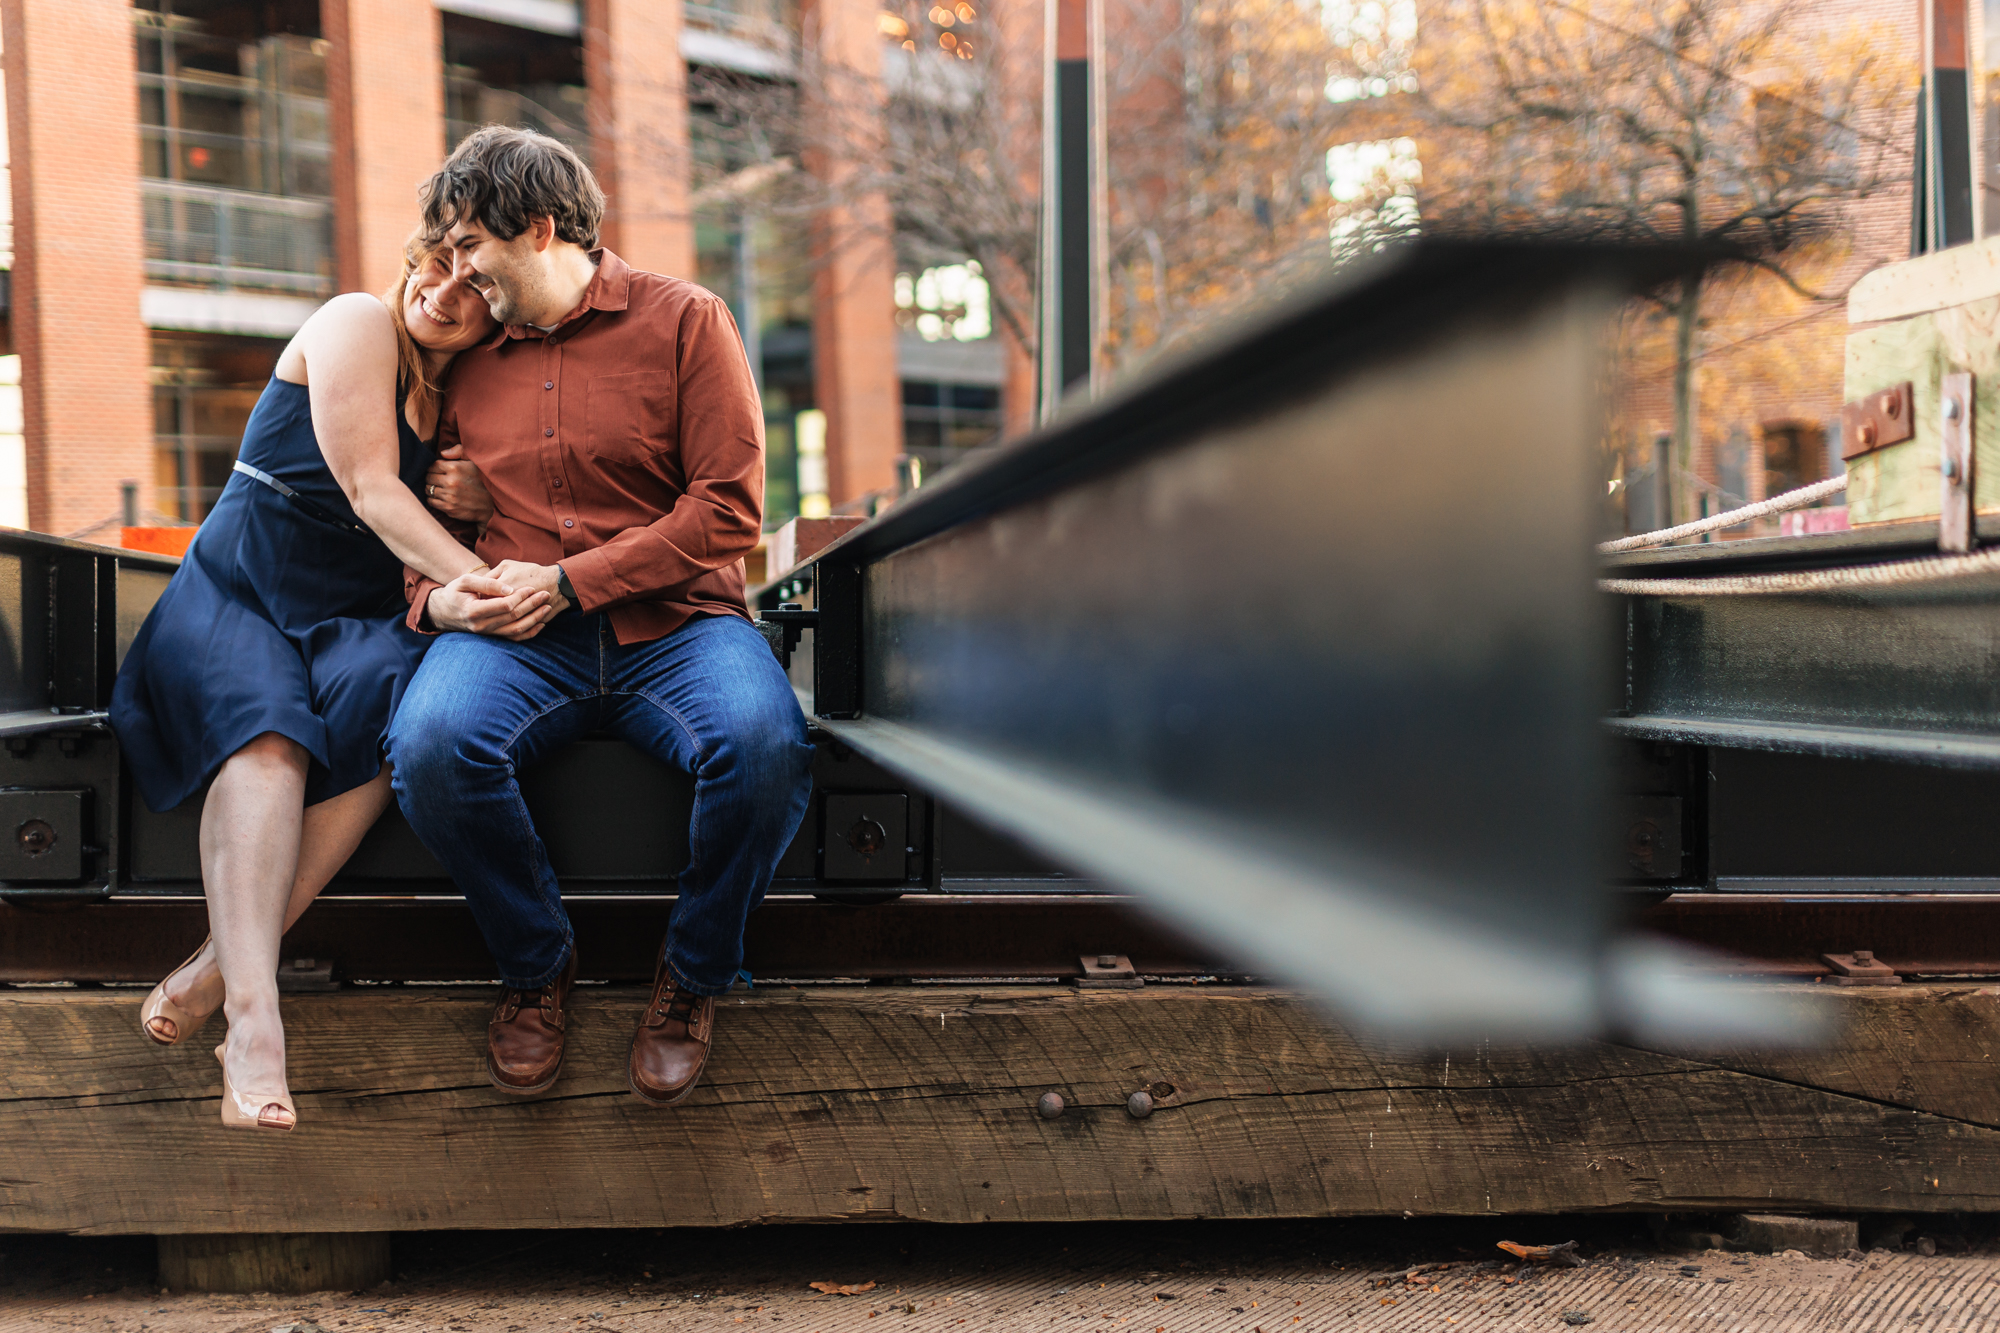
(254, 1110)
(166, 1023)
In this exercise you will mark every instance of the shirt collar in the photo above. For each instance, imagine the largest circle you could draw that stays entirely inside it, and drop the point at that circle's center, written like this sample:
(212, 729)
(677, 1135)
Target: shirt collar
(611, 289)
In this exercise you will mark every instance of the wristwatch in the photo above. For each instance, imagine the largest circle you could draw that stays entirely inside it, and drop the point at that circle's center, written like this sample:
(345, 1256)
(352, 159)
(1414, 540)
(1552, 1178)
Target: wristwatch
(565, 587)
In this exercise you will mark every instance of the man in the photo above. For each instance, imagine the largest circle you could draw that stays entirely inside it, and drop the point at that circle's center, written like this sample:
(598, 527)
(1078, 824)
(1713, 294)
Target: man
(616, 425)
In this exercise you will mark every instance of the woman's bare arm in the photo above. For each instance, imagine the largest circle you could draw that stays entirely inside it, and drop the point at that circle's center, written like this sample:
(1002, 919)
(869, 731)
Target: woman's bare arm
(349, 348)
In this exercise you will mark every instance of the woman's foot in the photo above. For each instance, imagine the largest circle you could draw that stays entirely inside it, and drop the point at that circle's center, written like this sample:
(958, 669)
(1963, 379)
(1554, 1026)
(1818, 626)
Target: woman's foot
(254, 1091)
(179, 1006)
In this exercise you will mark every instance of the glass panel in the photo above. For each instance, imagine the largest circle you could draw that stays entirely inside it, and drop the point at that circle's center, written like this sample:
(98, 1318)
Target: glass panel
(495, 74)
(206, 386)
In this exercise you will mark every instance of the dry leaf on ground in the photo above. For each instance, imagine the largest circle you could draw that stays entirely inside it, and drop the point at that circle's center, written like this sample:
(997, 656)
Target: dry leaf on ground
(837, 1289)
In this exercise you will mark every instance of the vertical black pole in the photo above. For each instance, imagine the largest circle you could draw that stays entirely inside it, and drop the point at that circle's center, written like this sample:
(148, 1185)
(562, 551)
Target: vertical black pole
(1942, 208)
(1066, 314)
(1073, 216)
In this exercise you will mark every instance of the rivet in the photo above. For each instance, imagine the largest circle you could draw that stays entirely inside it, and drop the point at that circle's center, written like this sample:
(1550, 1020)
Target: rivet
(1050, 1106)
(1951, 409)
(1139, 1105)
(1867, 433)
(1891, 405)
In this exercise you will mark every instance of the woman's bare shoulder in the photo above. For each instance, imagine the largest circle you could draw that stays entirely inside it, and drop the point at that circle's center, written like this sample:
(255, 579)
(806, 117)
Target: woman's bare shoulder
(350, 332)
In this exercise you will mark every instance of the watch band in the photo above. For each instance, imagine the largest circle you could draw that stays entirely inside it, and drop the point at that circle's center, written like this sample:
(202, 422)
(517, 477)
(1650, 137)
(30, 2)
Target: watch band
(564, 586)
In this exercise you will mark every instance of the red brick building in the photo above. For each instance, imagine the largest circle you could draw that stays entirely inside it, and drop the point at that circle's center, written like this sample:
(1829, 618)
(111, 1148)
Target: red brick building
(190, 178)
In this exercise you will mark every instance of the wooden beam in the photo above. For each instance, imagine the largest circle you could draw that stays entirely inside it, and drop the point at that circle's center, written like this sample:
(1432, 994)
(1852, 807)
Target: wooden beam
(919, 1102)
(298, 1262)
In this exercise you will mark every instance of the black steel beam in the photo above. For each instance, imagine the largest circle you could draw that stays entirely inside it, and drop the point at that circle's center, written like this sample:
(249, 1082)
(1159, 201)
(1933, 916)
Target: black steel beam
(1908, 672)
(618, 939)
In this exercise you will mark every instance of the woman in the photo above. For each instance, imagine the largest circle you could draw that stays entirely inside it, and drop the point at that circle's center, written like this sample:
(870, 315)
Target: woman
(271, 665)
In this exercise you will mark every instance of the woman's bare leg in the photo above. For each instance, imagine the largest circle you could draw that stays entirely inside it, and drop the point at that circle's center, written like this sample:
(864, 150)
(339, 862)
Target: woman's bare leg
(250, 828)
(329, 833)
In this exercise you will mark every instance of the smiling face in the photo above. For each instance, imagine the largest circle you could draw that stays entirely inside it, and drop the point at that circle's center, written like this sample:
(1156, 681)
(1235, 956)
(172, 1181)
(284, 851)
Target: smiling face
(441, 312)
(512, 275)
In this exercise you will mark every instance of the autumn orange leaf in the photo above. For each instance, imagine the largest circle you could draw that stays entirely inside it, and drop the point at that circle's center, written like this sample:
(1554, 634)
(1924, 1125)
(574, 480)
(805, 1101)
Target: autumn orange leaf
(838, 1289)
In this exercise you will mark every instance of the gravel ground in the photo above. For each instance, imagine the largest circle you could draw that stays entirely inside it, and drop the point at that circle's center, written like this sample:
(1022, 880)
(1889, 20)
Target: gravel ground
(1213, 1277)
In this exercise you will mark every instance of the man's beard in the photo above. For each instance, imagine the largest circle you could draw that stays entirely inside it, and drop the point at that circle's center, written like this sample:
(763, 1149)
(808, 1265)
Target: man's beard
(504, 302)
(511, 297)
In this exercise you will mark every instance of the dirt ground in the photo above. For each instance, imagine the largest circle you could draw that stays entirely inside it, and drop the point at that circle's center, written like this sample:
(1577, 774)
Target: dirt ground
(1198, 1277)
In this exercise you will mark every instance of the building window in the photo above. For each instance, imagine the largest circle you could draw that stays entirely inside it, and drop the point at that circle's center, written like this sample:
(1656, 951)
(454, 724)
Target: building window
(235, 145)
(951, 301)
(204, 386)
(1795, 455)
(495, 74)
(1374, 187)
(942, 421)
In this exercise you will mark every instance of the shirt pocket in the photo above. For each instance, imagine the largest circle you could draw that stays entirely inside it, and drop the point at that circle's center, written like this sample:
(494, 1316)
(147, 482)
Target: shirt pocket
(629, 418)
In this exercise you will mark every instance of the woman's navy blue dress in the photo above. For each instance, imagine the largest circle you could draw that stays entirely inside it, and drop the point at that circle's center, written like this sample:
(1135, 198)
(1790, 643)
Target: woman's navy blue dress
(277, 620)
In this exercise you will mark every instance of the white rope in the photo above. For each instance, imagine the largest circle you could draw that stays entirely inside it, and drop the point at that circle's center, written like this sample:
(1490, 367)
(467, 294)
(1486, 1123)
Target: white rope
(1797, 499)
(1926, 570)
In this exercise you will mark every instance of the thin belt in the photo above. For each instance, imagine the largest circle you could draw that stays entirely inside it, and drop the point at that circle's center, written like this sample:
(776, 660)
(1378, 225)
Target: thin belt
(304, 502)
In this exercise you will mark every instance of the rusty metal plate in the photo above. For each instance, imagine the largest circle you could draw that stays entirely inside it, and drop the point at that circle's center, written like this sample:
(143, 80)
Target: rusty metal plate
(1878, 420)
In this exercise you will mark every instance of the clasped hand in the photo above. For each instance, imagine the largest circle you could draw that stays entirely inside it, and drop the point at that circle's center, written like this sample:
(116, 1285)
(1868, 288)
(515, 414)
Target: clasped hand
(513, 600)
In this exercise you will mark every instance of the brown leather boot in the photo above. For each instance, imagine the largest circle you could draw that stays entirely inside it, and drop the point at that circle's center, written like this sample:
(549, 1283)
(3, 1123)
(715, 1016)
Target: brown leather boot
(671, 1044)
(524, 1039)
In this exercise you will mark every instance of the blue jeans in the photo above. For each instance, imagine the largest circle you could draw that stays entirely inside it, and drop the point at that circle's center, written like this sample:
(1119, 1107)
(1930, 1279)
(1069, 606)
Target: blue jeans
(708, 699)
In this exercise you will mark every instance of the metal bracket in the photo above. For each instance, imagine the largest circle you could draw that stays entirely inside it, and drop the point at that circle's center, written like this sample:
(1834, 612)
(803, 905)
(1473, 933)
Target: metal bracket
(1878, 420)
(1108, 971)
(1955, 463)
(792, 620)
(306, 974)
(1860, 969)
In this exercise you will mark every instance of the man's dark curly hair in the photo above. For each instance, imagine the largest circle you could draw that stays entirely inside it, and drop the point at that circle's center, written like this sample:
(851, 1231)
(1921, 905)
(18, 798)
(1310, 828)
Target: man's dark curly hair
(500, 177)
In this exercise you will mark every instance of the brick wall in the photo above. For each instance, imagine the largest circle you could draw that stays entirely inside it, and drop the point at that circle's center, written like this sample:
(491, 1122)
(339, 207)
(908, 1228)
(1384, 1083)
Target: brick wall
(1770, 357)
(639, 130)
(854, 302)
(386, 86)
(72, 112)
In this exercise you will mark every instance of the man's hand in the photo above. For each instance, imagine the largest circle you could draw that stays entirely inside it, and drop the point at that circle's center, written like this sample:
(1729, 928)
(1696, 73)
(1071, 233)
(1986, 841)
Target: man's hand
(541, 578)
(455, 489)
(481, 603)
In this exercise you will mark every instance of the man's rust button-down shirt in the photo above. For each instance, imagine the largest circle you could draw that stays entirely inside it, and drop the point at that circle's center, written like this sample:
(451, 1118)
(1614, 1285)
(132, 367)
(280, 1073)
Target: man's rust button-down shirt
(626, 444)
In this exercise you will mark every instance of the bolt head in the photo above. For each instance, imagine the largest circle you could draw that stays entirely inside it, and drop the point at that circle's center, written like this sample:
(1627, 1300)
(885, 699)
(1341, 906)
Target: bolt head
(1050, 1106)
(1891, 404)
(1867, 434)
(1107, 960)
(1864, 957)
(1139, 1105)
(1951, 409)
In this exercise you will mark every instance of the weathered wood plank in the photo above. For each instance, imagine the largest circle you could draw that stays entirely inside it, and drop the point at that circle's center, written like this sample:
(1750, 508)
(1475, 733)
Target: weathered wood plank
(1901, 483)
(1929, 282)
(919, 1102)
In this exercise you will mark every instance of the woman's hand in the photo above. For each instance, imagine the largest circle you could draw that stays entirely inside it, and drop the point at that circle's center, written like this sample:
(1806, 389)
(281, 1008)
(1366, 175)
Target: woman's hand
(454, 488)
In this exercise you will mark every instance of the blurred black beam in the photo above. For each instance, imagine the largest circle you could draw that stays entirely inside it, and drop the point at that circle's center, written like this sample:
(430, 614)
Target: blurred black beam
(1296, 639)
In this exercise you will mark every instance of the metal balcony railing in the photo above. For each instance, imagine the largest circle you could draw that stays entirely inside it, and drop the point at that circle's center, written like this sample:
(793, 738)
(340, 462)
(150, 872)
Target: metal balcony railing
(771, 24)
(233, 238)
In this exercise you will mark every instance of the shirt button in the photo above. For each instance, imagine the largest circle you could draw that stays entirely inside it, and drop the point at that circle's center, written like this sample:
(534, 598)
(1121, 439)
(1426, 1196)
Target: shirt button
(550, 431)
(569, 522)
(548, 384)
(558, 484)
